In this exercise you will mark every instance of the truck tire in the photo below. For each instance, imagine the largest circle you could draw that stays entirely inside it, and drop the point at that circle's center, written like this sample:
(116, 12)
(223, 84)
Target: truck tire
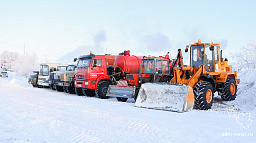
(52, 87)
(203, 92)
(65, 89)
(90, 92)
(229, 90)
(79, 91)
(136, 94)
(59, 88)
(121, 99)
(71, 90)
(102, 89)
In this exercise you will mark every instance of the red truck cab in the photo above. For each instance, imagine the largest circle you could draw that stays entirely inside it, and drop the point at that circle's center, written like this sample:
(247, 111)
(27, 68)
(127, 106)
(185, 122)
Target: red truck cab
(91, 69)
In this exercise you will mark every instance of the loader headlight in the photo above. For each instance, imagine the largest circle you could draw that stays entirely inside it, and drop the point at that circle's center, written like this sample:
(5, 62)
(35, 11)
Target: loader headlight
(85, 83)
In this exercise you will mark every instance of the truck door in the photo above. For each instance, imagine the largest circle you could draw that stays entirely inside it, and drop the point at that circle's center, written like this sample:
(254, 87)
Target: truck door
(97, 69)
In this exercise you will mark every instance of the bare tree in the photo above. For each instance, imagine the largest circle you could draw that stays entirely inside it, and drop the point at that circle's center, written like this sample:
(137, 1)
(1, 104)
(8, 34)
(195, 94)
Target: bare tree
(247, 55)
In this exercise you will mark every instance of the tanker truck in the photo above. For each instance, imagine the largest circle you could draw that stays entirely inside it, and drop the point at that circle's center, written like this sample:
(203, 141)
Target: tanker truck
(94, 73)
(152, 69)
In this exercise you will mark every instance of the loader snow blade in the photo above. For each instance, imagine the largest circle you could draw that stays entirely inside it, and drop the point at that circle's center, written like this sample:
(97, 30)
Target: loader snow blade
(121, 91)
(166, 96)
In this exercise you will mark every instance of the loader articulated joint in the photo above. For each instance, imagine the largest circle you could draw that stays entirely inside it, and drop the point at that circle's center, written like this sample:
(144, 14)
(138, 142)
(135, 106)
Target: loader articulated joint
(209, 79)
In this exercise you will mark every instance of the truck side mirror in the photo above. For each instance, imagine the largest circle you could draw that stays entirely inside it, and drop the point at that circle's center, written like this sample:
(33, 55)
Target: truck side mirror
(186, 50)
(75, 59)
(211, 48)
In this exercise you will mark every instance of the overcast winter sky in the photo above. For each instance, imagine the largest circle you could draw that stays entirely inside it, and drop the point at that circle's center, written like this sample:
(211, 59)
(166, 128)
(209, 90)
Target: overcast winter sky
(54, 28)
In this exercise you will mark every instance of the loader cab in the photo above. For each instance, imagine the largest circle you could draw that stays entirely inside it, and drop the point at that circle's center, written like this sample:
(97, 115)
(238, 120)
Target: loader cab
(205, 54)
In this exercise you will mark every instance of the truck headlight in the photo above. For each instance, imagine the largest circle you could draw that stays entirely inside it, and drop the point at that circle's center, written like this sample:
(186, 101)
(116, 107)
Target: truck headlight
(85, 83)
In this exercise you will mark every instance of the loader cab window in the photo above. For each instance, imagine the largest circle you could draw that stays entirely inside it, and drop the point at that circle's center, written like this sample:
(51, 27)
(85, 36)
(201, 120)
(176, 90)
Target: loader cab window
(197, 53)
(83, 63)
(216, 54)
(61, 68)
(208, 58)
(44, 70)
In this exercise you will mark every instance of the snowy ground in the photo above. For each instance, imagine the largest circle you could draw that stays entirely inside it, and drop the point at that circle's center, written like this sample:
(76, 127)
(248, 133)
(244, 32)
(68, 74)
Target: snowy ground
(30, 114)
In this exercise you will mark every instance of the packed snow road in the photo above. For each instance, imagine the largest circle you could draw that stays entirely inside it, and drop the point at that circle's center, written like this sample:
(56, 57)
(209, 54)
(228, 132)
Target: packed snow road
(30, 114)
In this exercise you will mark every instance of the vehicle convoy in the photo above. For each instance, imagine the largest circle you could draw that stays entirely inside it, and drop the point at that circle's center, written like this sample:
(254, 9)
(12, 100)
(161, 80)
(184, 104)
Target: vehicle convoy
(33, 79)
(152, 69)
(55, 77)
(44, 73)
(194, 85)
(66, 80)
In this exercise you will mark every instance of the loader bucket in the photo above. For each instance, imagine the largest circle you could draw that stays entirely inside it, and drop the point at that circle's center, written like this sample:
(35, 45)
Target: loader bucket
(166, 96)
(121, 90)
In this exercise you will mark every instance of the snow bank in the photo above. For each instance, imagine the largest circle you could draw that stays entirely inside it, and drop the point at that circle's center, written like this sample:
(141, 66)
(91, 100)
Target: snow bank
(14, 79)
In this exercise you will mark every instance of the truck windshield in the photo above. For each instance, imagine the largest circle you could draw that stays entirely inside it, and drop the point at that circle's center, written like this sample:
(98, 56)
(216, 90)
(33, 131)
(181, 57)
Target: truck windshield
(84, 63)
(61, 68)
(165, 66)
(148, 66)
(44, 70)
(71, 68)
(197, 55)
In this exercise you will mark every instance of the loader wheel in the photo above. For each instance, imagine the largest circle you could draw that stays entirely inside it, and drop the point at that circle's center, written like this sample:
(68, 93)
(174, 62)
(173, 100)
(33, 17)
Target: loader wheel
(79, 91)
(121, 99)
(89, 92)
(203, 92)
(71, 90)
(229, 90)
(102, 89)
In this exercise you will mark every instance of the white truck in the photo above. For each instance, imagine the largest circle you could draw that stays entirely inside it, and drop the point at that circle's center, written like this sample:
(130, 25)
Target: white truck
(45, 70)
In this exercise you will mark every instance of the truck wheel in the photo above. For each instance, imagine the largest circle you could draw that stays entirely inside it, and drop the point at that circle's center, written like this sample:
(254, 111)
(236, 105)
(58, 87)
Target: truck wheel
(121, 99)
(79, 91)
(229, 90)
(65, 89)
(52, 87)
(71, 90)
(59, 88)
(136, 94)
(90, 92)
(203, 92)
(102, 89)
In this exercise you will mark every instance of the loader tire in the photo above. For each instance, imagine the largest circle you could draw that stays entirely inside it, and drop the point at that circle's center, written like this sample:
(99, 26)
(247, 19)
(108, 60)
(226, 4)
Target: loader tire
(79, 91)
(203, 92)
(121, 99)
(102, 89)
(229, 90)
(89, 92)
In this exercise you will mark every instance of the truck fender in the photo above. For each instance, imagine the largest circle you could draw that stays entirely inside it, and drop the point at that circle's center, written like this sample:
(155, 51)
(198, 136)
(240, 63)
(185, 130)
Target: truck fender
(103, 77)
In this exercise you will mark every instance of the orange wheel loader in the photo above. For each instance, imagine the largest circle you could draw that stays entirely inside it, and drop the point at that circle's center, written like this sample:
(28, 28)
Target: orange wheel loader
(194, 85)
